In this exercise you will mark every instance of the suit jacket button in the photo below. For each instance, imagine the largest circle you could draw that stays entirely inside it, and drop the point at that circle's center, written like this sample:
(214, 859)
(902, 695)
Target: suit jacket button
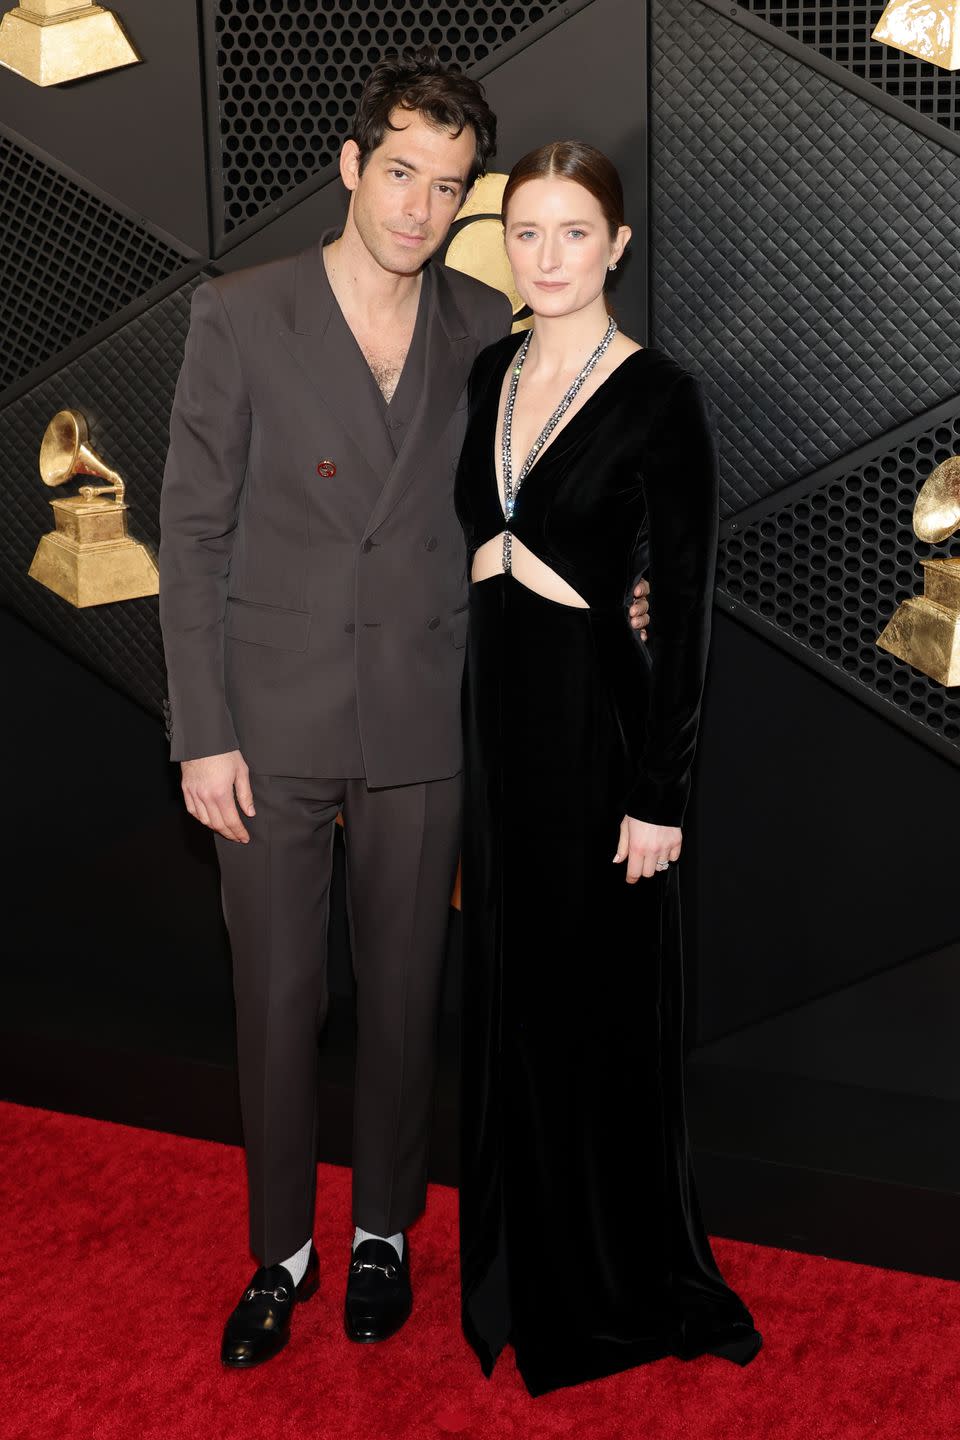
(434, 623)
(349, 629)
(432, 543)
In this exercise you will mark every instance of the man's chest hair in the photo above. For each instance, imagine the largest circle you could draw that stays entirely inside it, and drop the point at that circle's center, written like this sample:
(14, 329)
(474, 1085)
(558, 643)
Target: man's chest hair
(386, 367)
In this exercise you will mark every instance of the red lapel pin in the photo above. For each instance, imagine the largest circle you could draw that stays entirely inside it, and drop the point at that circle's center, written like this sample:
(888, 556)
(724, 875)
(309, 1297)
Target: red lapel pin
(326, 468)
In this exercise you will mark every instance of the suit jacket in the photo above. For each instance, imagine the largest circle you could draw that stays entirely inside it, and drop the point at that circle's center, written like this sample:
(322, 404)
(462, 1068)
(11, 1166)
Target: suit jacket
(312, 570)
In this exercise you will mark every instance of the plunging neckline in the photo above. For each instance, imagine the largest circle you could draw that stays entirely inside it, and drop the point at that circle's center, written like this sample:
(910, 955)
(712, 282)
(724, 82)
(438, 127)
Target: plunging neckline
(419, 321)
(562, 430)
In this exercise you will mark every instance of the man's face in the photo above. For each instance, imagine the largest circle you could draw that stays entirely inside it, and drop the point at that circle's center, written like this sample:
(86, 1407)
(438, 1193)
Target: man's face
(410, 190)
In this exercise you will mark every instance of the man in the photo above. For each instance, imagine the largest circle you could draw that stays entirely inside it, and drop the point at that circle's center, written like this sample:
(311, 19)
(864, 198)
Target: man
(312, 588)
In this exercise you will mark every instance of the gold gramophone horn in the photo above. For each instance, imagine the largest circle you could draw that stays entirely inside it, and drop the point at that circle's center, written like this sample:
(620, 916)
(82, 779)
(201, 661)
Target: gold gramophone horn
(89, 559)
(937, 512)
(64, 452)
(924, 630)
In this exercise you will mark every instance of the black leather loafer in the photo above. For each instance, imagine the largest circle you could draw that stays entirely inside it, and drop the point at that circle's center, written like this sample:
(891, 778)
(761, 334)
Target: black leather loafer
(379, 1297)
(259, 1327)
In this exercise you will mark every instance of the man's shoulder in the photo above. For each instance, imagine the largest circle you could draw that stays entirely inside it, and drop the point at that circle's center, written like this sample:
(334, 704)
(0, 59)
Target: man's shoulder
(477, 301)
(253, 285)
(254, 299)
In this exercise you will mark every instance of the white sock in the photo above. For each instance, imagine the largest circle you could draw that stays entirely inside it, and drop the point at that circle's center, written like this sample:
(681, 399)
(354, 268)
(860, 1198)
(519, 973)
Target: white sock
(395, 1240)
(297, 1264)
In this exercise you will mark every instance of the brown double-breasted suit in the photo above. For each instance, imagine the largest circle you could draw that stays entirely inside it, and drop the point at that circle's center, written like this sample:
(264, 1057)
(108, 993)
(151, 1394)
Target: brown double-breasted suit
(313, 606)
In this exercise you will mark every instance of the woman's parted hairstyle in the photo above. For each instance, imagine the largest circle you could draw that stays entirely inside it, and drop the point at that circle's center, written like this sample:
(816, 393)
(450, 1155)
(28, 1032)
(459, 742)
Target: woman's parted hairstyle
(577, 161)
(419, 80)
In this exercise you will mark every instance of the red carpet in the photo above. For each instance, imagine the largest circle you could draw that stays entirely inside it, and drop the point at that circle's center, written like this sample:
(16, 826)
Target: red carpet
(124, 1249)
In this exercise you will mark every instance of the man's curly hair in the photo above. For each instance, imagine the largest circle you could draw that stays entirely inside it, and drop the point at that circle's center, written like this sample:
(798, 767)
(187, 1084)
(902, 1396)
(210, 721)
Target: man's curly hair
(419, 80)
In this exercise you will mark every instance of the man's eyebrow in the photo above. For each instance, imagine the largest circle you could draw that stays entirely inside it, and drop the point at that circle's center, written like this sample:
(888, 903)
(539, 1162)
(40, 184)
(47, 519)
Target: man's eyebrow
(447, 179)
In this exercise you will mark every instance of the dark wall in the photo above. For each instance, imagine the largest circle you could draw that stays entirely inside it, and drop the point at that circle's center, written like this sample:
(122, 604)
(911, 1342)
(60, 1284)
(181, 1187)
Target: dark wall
(824, 838)
(793, 245)
(137, 132)
(111, 908)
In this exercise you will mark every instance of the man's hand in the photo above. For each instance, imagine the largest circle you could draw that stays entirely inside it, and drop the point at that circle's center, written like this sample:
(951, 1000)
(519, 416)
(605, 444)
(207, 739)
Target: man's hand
(209, 785)
(642, 845)
(640, 609)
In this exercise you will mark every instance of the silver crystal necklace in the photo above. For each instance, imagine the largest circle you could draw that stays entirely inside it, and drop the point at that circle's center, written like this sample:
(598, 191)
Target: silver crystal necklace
(511, 490)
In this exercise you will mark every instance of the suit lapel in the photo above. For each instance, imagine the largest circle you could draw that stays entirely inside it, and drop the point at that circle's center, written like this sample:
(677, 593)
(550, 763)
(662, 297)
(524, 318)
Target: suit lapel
(449, 353)
(322, 344)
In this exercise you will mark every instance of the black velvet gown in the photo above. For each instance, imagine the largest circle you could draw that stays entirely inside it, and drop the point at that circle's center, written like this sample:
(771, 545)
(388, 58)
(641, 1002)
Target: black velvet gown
(581, 1237)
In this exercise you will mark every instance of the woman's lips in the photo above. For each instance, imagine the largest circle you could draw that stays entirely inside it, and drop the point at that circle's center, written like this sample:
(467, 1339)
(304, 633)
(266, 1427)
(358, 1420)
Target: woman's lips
(550, 284)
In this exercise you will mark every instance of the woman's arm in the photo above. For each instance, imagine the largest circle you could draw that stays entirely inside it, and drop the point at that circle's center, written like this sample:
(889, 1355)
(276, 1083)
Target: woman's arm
(680, 481)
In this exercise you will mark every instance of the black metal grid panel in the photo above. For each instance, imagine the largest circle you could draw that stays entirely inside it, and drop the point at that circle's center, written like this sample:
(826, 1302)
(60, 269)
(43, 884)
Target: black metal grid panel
(803, 251)
(69, 261)
(841, 33)
(828, 569)
(124, 387)
(290, 73)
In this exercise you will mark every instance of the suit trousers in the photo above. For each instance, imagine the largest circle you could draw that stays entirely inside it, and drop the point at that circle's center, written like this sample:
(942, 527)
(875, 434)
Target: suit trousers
(402, 845)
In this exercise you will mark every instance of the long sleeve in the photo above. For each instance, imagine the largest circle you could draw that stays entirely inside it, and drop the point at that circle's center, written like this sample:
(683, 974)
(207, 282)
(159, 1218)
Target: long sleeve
(681, 487)
(202, 484)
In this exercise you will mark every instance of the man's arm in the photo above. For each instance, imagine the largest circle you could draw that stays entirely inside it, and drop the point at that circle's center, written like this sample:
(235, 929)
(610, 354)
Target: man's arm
(202, 483)
(199, 502)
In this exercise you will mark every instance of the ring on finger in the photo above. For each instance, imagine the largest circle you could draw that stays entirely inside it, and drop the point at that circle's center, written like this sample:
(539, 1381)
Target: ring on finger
(663, 865)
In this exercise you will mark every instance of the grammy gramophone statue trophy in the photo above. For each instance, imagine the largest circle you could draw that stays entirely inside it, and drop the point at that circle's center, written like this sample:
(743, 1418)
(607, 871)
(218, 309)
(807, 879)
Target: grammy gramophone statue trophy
(89, 559)
(925, 629)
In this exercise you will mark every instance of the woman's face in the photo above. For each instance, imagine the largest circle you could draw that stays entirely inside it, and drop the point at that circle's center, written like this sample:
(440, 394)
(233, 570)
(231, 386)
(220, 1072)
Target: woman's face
(559, 246)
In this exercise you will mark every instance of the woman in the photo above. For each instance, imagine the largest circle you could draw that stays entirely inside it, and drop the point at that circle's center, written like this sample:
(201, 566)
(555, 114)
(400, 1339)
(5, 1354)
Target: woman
(581, 1237)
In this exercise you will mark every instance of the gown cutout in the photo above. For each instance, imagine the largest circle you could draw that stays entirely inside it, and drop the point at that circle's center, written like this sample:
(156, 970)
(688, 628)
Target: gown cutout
(582, 1242)
(527, 568)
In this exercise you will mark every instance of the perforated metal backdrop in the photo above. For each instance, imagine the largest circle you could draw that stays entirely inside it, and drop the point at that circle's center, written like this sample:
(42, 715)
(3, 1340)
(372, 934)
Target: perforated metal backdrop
(822, 568)
(290, 72)
(804, 251)
(802, 262)
(842, 33)
(68, 259)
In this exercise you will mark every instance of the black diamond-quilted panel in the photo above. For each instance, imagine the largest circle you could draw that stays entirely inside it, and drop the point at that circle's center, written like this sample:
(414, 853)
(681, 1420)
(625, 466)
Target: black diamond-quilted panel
(829, 569)
(803, 252)
(842, 33)
(290, 73)
(124, 387)
(69, 261)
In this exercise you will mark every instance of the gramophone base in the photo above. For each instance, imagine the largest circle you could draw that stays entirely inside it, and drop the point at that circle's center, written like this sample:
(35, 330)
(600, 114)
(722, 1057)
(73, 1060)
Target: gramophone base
(95, 574)
(927, 636)
(52, 51)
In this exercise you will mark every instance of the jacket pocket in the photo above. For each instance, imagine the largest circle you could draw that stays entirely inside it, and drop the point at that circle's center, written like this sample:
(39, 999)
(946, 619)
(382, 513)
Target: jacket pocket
(266, 625)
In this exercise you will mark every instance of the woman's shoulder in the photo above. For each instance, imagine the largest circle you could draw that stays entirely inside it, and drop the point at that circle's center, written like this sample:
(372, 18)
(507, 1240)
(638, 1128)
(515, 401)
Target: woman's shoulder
(501, 350)
(493, 361)
(658, 368)
(662, 384)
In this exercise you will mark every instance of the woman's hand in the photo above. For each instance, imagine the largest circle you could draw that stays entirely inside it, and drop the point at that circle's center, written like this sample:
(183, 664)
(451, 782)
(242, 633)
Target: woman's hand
(642, 845)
